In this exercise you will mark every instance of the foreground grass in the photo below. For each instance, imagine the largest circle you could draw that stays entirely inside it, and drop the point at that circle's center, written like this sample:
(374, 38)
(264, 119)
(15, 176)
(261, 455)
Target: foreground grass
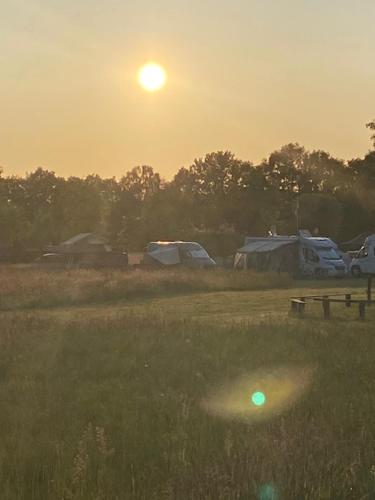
(33, 288)
(105, 401)
(111, 409)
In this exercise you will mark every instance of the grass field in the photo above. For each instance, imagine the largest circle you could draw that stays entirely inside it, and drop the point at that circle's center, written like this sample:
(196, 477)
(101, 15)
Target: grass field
(138, 386)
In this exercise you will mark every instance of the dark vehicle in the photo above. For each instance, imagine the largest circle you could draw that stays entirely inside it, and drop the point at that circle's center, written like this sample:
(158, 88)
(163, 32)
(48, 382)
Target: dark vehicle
(85, 260)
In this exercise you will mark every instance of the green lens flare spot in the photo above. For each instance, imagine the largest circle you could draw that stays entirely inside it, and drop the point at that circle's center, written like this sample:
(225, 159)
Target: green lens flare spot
(258, 398)
(268, 492)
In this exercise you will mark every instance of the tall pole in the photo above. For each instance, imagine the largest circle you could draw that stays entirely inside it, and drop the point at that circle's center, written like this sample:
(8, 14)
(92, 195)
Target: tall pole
(297, 214)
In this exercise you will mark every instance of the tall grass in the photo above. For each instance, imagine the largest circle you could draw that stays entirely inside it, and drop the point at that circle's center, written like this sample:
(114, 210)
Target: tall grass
(28, 288)
(111, 409)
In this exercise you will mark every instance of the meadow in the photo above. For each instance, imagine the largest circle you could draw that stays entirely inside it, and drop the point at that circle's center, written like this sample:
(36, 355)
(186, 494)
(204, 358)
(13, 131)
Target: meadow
(33, 287)
(130, 386)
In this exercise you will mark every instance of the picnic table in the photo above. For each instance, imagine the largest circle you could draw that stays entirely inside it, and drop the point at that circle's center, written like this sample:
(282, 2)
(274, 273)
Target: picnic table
(298, 303)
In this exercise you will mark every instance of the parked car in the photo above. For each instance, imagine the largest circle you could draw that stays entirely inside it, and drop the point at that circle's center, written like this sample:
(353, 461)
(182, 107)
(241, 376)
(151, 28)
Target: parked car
(54, 259)
(118, 260)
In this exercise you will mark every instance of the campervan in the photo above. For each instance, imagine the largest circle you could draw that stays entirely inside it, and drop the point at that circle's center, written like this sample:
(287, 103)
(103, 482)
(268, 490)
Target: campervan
(302, 255)
(320, 257)
(364, 261)
(172, 253)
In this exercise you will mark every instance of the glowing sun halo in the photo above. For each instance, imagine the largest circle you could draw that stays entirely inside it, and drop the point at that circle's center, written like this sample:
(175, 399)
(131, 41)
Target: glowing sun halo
(152, 77)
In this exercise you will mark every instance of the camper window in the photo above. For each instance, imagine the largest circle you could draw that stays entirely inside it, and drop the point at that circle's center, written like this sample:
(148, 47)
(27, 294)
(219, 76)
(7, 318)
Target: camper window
(310, 255)
(193, 250)
(328, 253)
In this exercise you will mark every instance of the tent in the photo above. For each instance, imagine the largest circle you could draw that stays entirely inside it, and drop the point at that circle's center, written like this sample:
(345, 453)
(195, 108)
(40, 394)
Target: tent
(269, 254)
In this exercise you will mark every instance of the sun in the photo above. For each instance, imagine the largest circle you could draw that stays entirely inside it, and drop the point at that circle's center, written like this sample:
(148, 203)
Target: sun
(152, 77)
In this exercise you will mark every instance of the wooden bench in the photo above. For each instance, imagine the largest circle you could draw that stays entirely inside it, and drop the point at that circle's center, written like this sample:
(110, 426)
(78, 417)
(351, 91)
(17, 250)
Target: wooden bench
(326, 303)
(297, 306)
(298, 303)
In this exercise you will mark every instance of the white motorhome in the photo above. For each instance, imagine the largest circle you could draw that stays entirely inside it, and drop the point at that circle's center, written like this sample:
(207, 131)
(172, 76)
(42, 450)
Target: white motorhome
(320, 257)
(172, 253)
(364, 261)
(302, 255)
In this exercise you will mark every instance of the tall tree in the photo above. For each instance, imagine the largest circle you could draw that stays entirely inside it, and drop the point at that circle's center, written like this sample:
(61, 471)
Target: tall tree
(213, 183)
(141, 181)
(371, 126)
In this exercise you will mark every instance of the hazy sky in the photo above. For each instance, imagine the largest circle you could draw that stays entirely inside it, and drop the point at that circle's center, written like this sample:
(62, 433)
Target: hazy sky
(244, 75)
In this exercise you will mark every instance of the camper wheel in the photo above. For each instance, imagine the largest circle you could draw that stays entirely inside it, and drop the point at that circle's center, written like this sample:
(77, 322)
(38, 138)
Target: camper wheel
(356, 272)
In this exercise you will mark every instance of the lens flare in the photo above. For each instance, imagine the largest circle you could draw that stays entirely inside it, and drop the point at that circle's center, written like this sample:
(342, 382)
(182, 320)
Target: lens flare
(259, 395)
(268, 492)
(258, 398)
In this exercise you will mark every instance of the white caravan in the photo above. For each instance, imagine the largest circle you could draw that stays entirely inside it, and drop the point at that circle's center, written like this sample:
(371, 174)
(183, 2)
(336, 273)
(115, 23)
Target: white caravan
(364, 261)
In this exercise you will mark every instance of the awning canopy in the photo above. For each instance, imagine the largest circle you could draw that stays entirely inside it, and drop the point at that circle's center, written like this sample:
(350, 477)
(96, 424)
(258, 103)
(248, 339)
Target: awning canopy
(265, 245)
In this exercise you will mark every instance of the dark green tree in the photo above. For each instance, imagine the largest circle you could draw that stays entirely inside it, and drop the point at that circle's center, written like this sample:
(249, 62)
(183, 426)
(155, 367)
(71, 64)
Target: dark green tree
(371, 126)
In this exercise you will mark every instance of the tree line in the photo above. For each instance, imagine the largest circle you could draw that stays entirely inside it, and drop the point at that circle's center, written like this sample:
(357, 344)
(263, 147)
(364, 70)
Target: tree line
(216, 200)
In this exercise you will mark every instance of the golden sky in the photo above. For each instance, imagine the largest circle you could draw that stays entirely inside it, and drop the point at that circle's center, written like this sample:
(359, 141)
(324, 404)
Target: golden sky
(244, 75)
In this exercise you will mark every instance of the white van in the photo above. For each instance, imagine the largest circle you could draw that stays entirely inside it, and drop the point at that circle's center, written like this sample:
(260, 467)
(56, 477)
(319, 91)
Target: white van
(364, 261)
